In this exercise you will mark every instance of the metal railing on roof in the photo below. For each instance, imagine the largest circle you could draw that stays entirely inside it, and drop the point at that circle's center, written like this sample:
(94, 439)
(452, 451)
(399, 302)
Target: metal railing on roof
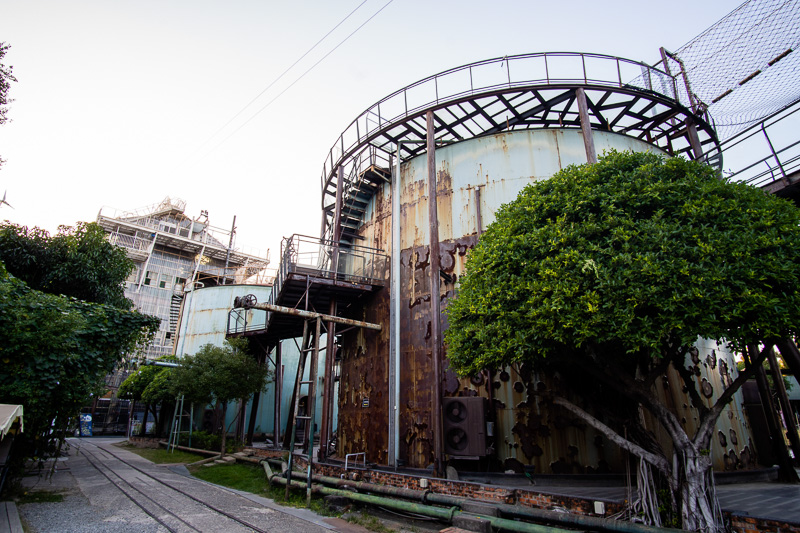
(547, 68)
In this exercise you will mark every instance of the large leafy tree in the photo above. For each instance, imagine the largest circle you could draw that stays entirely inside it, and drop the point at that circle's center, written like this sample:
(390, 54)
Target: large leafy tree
(77, 261)
(222, 374)
(57, 340)
(610, 272)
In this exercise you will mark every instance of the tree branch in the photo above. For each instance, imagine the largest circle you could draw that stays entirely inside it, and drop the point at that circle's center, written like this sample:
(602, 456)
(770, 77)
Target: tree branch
(708, 420)
(618, 379)
(658, 462)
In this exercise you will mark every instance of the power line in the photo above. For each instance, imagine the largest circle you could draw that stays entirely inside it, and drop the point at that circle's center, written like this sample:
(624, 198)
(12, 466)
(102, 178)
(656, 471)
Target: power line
(285, 71)
(301, 76)
(276, 80)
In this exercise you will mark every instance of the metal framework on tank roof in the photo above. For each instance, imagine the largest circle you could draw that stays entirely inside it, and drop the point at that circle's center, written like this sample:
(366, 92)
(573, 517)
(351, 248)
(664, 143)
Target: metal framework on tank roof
(530, 91)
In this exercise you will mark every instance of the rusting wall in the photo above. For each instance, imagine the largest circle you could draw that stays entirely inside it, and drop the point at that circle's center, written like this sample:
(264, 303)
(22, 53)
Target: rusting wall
(363, 386)
(528, 431)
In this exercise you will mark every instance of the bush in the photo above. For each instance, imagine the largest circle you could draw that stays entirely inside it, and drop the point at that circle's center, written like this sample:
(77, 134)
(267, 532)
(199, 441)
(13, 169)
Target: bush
(204, 440)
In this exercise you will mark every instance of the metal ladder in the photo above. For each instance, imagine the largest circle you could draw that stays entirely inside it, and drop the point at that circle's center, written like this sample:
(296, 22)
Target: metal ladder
(310, 345)
(177, 423)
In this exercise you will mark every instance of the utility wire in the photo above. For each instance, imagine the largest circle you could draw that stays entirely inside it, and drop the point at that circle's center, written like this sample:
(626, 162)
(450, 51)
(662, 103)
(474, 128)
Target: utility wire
(283, 73)
(301, 76)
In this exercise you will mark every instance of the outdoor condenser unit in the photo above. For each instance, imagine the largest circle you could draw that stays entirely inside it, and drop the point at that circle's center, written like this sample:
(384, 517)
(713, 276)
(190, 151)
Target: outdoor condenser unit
(464, 421)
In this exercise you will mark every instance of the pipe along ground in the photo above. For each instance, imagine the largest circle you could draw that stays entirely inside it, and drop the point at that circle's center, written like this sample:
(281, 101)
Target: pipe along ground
(440, 513)
(542, 515)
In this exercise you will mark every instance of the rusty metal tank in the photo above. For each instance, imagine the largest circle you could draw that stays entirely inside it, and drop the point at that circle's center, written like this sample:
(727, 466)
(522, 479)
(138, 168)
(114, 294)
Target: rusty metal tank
(476, 173)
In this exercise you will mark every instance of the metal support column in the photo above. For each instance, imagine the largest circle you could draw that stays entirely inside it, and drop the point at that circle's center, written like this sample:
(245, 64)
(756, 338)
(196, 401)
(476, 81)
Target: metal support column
(330, 353)
(436, 334)
(276, 424)
(786, 471)
(694, 139)
(586, 125)
(790, 355)
(786, 407)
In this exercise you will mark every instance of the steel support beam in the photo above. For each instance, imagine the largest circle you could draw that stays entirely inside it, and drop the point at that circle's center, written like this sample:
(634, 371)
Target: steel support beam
(786, 471)
(586, 125)
(786, 407)
(278, 395)
(311, 314)
(790, 355)
(330, 353)
(436, 334)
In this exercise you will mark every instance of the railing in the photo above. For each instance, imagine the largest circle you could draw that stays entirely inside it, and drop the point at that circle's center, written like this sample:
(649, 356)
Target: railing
(186, 228)
(549, 68)
(244, 320)
(759, 139)
(130, 242)
(314, 257)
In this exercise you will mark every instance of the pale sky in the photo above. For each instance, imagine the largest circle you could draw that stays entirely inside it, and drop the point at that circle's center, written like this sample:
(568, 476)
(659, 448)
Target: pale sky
(121, 103)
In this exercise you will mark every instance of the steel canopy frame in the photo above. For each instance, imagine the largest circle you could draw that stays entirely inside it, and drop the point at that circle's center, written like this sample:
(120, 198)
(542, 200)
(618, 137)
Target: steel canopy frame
(530, 91)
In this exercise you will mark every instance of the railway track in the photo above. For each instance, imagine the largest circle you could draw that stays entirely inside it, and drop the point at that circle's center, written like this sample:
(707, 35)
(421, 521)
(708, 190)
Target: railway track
(181, 506)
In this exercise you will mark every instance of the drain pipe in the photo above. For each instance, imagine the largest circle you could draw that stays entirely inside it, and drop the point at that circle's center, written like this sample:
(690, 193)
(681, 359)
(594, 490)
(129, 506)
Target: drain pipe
(562, 519)
(439, 513)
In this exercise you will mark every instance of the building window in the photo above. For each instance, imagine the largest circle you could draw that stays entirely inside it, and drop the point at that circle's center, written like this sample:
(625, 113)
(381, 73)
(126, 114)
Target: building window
(163, 283)
(150, 277)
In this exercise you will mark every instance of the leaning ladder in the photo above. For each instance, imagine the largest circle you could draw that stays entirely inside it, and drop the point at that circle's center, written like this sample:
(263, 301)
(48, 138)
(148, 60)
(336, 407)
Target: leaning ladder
(310, 344)
(177, 423)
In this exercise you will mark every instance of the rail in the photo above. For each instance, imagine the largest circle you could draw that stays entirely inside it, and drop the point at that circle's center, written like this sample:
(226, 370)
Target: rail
(761, 138)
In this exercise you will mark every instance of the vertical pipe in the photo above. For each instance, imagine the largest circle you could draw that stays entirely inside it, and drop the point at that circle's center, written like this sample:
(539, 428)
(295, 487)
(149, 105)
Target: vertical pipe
(786, 407)
(394, 318)
(228, 253)
(276, 428)
(327, 391)
(586, 125)
(478, 214)
(433, 220)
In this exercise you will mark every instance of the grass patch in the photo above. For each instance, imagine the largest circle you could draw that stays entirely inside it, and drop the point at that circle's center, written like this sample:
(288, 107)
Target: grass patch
(39, 496)
(236, 476)
(369, 522)
(161, 455)
(252, 479)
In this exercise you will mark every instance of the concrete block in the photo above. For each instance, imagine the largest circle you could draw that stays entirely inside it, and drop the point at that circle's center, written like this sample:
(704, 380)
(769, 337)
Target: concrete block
(472, 523)
(479, 508)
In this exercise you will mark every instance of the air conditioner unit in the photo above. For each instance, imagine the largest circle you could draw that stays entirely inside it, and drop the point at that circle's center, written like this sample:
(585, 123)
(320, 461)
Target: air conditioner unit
(464, 421)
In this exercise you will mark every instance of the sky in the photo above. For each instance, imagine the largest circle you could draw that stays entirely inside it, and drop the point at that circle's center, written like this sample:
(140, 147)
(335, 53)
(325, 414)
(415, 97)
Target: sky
(123, 103)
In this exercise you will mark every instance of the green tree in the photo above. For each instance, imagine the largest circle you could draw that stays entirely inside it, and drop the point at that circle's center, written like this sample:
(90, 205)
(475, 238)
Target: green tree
(77, 262)
(222, 374)
(54, 353)
(150, 384)
(612, 271)
(64, 325)
(6, 77)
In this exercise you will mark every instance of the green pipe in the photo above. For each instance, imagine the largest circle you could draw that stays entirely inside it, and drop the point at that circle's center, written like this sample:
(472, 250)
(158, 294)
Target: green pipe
(435, 512)
(563, 519)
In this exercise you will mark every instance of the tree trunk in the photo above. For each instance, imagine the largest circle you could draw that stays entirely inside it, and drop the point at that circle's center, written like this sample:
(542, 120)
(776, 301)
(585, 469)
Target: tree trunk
(224, 429)
(699, 507)
(143, 428)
